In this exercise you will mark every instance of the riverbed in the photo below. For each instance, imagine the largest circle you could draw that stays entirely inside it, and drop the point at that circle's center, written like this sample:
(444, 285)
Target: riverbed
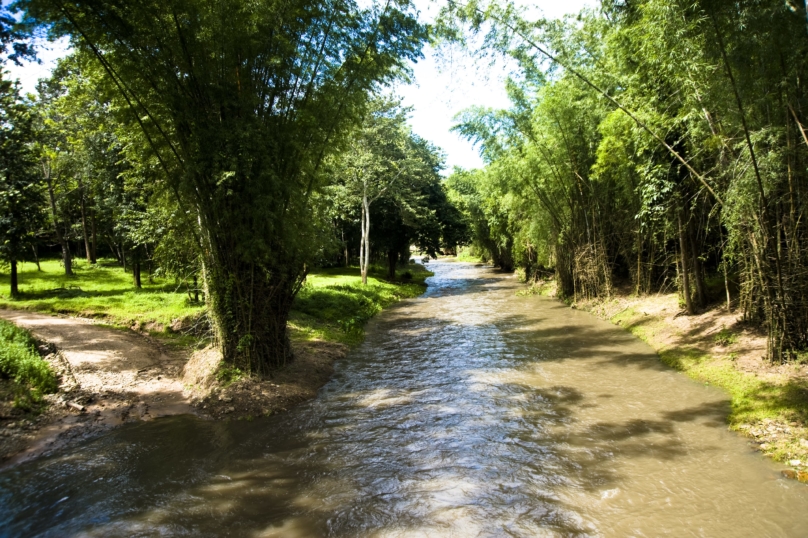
(470, 411)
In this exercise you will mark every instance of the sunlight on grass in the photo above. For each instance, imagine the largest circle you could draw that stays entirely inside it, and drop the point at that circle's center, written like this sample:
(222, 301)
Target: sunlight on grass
(103, 291)
(333, 304)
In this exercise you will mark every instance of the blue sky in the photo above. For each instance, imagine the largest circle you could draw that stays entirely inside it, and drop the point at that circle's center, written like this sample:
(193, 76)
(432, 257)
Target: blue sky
(438, 92)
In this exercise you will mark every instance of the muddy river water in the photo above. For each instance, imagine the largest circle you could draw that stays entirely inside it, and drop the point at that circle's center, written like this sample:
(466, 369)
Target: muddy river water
(467, 412)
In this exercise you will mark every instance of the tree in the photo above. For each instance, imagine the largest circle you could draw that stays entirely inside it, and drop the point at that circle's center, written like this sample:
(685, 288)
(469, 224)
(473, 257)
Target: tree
(21, 200)
(240, 102)
(376, 163)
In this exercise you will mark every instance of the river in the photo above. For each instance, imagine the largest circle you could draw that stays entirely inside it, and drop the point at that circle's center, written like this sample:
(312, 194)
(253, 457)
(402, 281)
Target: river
(467, 412)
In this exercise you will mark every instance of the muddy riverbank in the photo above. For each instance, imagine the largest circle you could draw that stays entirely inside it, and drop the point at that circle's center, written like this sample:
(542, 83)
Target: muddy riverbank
(109, 377)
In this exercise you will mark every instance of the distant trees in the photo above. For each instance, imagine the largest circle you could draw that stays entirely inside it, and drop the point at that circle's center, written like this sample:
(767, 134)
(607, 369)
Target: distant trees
(654, 143)
(393, 177)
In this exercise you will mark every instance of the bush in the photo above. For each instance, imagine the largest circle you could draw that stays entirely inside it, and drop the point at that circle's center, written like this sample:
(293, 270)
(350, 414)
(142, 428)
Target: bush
(20, 362)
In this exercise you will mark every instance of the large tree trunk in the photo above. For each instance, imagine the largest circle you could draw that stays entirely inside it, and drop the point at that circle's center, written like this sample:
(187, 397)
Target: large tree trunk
(15, 289)
(67, 259)
(685, 265)
(250, 305)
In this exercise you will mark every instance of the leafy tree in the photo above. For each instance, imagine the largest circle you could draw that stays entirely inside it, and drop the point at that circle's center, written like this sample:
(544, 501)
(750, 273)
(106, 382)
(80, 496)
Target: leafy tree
(21, 200)
(240, 102)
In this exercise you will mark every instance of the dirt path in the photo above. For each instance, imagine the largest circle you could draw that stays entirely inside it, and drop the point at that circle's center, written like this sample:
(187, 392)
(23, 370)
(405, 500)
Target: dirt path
(109, 376)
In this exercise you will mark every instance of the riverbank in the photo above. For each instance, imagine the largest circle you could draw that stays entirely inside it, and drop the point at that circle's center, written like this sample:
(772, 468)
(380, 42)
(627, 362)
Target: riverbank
(120, 367)
(769, 402)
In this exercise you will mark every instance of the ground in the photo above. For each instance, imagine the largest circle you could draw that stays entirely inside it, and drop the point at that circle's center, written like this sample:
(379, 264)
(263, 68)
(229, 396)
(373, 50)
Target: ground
(769, 402)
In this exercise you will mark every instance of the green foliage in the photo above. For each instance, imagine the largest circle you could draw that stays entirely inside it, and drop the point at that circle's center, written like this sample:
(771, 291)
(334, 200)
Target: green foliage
(645, 144)
(232, 107)
(21, 196)
(334, 304)
(227, 375)
(20, 362)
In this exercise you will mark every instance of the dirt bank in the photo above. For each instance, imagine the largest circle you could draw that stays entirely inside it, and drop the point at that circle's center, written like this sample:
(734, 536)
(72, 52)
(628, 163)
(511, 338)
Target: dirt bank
(769, 401)
(110, 376)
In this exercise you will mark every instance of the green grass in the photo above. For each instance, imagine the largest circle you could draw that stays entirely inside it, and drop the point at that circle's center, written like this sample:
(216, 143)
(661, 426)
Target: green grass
(464, 254)
(102, 291)
(334, 305)
(20, 362)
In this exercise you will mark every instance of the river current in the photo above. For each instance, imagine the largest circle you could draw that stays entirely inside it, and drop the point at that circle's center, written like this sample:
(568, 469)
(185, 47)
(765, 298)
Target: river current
(467, 412)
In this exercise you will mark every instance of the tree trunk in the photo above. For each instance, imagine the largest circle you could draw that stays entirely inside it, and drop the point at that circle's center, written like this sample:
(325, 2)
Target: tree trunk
(698, 274)
(36, 258)
(392, 261)
(250, 306)
(345, 244)
(15, 290)
(364, 247)
(685, 266)
(93, 254)
(84, 231)
(136, 268)
(67, 260)
(136, 275)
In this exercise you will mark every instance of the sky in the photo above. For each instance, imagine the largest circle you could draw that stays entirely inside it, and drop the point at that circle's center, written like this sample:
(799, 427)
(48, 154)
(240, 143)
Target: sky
(439, 90)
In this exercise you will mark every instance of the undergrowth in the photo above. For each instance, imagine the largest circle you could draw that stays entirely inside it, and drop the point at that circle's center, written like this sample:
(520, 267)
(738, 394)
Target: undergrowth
(20, 362)
(334, 305)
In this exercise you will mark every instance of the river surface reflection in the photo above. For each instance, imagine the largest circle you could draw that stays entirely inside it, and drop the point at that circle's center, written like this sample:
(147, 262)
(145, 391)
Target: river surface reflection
(467, 412)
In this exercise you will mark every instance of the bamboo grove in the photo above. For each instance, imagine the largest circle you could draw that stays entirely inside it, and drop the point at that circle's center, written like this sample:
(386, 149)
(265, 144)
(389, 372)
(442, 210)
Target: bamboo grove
(651, 145)
(210, 141)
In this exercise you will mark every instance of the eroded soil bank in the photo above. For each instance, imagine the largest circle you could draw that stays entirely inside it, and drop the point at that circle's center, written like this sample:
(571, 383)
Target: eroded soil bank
(111, 376)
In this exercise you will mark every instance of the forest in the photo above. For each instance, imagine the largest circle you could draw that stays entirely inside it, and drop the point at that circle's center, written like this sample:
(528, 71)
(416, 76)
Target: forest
(650, 146)
(230, 147)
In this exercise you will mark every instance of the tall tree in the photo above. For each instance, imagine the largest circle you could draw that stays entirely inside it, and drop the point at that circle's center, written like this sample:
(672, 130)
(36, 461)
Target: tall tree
(240, 102)
(21, 200)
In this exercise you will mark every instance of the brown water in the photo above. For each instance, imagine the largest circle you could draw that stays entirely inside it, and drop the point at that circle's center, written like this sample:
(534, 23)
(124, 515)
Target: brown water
(468, 412)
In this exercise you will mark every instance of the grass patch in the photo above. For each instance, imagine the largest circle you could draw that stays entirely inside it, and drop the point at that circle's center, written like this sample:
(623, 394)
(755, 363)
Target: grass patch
(333, 305)
(20, 362)
(101, 291)
(725, 337)
(543, 288)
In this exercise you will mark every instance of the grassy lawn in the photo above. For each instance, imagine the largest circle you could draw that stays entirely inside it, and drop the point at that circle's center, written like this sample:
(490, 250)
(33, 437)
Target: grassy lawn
(333, 305)
(103, 291)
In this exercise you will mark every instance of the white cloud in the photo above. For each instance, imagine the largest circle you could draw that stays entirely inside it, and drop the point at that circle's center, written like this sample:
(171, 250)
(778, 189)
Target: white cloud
(30, 72)
(439, 91)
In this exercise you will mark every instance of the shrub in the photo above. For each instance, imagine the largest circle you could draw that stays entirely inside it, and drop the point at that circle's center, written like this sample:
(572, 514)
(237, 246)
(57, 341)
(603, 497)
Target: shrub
(20, 362)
